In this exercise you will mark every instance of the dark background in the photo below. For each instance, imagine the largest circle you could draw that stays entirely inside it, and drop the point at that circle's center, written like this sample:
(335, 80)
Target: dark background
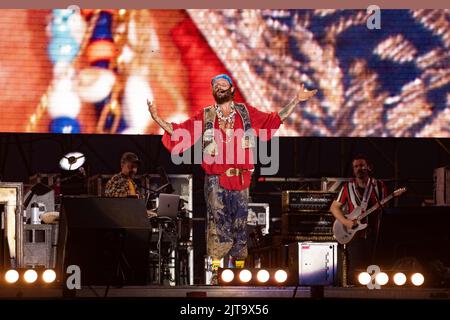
(401, 161)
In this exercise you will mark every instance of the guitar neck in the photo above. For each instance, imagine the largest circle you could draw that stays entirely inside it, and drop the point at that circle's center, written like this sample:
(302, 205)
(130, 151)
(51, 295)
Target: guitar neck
(376, 206)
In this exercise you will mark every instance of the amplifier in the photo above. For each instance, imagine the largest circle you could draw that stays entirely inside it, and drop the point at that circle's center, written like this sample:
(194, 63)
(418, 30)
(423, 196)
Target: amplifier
(307, 224)
(307, 201)
(296, 238)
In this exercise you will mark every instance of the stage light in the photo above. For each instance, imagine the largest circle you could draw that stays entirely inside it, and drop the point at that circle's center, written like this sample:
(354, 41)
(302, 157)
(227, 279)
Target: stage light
(245, 276)
(381, 278)
(364, 278)
(253, 276)
(49, 276)
(227, 275)
(263, 276)
(30, 276)
(281, 276)
(11, 276)
(417, 279)
(72, 161)
(399, 278)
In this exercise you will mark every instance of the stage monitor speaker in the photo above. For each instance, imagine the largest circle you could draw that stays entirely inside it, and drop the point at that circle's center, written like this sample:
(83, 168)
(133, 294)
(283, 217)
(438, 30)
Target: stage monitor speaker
(315, 262)
(108, 238)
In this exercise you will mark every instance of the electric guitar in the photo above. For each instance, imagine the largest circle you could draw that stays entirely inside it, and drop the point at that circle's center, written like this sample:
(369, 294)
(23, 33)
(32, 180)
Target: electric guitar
(344, 235)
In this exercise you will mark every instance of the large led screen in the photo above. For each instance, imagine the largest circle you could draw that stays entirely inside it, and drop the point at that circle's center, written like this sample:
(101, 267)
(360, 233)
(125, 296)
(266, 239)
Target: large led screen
(91, 71)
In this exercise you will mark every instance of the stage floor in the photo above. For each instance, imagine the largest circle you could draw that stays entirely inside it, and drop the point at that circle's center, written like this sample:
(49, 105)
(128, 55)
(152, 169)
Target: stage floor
(234, 292)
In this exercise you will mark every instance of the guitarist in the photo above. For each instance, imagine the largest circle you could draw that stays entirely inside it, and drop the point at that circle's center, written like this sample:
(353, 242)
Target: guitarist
(365, 192)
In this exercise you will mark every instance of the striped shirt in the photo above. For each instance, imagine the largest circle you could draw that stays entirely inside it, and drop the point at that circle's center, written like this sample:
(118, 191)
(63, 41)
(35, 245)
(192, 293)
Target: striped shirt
(351, 196)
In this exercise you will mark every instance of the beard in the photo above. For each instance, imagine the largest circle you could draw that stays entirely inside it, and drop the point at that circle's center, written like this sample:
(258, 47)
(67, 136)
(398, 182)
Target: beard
(222, 96)
(362, 174)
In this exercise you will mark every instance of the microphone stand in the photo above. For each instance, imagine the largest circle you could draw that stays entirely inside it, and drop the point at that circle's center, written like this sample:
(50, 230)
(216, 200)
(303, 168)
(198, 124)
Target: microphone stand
(161, 222)
(80, 173)
(377, 233)
(153, 191)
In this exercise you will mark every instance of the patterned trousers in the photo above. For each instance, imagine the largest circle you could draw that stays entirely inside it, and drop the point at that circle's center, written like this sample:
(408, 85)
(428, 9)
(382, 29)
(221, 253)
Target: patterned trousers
(227, 212)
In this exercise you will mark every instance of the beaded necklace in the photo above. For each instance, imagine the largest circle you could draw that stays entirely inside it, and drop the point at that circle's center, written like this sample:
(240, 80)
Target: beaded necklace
(227, 121)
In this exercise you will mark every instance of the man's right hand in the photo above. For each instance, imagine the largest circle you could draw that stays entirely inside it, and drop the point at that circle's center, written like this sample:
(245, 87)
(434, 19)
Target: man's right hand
(154, 113)
(349, 223)
(152, 109)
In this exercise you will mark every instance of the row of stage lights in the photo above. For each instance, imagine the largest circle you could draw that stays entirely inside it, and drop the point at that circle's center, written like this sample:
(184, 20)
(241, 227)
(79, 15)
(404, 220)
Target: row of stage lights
(280, 277)
(29, 276)
(252, 277)
(417, 279)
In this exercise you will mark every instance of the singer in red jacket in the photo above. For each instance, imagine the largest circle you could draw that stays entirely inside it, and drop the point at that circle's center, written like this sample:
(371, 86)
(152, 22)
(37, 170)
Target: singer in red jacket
(228, 131)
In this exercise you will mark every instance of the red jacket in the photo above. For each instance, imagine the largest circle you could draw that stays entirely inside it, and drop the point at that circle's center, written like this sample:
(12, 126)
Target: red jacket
(230, 153)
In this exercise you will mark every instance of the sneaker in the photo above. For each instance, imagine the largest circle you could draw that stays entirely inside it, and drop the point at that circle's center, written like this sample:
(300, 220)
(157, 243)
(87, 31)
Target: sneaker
(239, 263)
(214, 278)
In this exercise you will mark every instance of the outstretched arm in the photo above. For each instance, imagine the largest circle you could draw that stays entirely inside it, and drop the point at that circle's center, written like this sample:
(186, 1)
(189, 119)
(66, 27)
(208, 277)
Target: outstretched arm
(154, 113)
(302, 95)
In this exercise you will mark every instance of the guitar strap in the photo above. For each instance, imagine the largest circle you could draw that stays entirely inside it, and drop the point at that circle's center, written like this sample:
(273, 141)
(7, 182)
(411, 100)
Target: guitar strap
(366, 196)
(377, 198)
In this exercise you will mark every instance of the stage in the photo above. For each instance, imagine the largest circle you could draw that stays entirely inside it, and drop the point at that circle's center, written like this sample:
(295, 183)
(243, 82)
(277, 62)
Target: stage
(232, 292)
